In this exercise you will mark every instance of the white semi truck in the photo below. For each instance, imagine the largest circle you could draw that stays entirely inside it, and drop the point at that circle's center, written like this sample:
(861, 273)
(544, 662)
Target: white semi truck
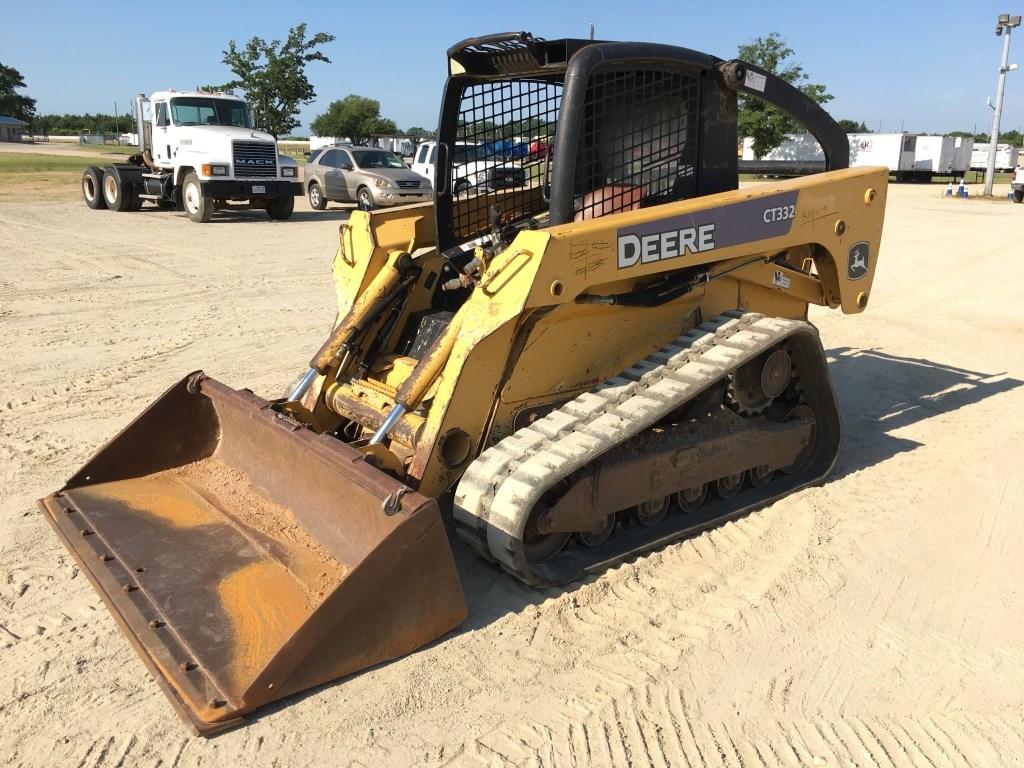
(197, 152)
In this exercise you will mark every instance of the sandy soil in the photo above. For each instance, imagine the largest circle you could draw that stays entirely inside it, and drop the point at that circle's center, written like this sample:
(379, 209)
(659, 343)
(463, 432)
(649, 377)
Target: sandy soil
(877, 620)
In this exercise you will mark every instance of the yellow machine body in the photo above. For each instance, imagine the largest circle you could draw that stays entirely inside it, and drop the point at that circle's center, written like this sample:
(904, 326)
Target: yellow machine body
(525, 342)
(542, 380)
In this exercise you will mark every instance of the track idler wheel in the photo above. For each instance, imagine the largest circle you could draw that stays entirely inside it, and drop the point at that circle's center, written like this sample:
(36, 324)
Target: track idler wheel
(541, 547)
(776, 373)
(598, 537)
(652, 512)
(690, 499)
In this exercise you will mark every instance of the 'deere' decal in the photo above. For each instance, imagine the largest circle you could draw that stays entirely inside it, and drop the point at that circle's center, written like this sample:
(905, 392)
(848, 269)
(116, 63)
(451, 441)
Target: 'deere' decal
(704, 231)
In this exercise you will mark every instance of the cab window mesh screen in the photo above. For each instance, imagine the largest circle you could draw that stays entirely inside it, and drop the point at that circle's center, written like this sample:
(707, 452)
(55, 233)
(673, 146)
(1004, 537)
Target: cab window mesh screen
(638, 145)
(505, 132)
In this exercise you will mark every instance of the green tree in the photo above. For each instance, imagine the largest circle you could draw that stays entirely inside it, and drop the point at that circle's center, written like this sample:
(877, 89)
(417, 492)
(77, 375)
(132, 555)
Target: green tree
(419, 133)
(273, 76)
(766, 124)
(71, 125)
(12, 103)
(355, 117)
(852, 126)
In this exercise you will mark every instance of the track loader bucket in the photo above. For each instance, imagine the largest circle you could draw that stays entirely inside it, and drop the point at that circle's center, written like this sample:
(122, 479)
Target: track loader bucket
(247, 557)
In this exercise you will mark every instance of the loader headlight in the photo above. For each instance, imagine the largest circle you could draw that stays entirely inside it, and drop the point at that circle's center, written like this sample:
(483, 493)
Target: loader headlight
(212, 169)
(382, 183)
(289, 170)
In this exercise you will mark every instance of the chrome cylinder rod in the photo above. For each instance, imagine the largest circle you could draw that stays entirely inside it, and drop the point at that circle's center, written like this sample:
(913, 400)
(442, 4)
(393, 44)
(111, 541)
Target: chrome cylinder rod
(392, 418)
(304, 384)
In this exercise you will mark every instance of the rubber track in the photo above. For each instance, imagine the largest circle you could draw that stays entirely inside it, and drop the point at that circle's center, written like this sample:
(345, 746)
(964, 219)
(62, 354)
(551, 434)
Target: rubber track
(501, 487)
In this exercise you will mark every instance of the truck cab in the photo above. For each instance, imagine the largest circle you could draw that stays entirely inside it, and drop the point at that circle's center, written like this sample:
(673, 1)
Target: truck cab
(207, 143)
(198, 151)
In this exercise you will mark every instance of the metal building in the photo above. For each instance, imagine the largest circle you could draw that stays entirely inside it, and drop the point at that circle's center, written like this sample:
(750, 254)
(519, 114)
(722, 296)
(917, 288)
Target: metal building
(11, 128)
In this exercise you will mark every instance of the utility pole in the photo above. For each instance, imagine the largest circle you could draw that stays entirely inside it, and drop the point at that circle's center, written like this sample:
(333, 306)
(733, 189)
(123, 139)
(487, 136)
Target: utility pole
(1005, 23)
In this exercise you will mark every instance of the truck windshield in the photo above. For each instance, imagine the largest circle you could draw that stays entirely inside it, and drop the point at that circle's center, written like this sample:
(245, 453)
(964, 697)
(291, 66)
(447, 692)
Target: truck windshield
(195, 110)
(377, 158)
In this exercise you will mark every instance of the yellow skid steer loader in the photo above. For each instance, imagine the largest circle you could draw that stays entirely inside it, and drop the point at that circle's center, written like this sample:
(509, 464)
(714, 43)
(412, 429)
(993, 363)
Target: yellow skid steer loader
(592, 345)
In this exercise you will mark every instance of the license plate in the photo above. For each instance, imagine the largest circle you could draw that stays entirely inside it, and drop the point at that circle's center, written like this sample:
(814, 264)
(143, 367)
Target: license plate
(259, 189)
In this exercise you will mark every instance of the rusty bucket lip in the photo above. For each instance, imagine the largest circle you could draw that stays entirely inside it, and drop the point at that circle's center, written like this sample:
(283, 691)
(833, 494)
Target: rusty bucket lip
(197, 692)
(198, 726)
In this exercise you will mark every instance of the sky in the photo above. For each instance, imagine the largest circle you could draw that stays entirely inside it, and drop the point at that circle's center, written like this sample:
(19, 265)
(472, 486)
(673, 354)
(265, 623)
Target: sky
(894, 64)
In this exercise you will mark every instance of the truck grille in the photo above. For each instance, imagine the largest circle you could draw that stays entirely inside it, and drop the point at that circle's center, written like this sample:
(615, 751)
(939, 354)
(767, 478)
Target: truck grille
(408, 184)
(254, 159)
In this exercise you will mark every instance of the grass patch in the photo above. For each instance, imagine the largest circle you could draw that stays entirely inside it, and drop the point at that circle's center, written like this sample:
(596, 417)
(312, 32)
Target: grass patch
(38, 177)
(107, 149)
(33, 163)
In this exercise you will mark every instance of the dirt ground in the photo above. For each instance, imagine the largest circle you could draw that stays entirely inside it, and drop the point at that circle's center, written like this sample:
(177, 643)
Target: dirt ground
(876, 620)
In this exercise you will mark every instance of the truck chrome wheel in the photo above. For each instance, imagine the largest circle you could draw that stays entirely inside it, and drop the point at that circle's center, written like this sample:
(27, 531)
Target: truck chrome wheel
(92, 188)
(191, 197)
(365, 200)
(198, 207)
(110, 189)
(116, 194)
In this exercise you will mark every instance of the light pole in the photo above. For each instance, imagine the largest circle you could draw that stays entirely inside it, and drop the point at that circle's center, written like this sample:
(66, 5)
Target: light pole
(1004, 24)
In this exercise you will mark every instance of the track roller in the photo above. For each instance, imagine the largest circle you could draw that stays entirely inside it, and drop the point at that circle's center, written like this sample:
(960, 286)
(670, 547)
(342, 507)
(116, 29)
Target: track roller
(728, 486)
(653, 512)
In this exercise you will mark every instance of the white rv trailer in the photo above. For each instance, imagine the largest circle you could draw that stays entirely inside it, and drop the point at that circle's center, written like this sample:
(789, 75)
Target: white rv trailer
(908, 156)
(933, 155)
(963, 147)
(1007, 157)
(893, 150)
(798, 147)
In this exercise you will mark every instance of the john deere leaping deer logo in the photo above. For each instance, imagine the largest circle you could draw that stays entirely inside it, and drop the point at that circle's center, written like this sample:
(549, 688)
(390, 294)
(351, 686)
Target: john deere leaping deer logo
(857, 266)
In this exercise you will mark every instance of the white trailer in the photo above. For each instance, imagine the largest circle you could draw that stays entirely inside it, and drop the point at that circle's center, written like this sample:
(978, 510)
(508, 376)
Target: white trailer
(1007, 157)
(908, 156)
(893, 150)
(316, 142)
(963, 146)
(795, 147)
(933, 156)
(400, 145)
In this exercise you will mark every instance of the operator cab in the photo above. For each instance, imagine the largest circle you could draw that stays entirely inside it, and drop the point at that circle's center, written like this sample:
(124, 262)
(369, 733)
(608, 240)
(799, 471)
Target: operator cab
(623, 126)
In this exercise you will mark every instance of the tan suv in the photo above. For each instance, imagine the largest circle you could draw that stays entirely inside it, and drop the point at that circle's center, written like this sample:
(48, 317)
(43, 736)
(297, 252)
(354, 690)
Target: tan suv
(367, 176)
